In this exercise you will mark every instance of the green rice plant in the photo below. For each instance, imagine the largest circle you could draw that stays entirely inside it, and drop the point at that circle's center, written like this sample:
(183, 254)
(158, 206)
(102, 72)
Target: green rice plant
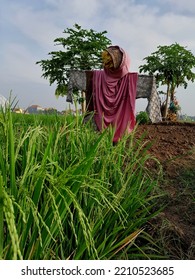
(35, 168)
(1, 217)
(72, 194)
(122, 168)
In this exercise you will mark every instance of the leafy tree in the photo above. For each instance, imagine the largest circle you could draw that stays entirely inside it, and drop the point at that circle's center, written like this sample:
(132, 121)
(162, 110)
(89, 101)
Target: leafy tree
(172, 66)
(82, 51)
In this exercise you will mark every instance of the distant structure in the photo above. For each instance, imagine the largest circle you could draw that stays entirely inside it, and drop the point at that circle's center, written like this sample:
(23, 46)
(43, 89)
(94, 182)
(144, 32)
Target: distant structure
(3, 102)
(35, 109)
(18, 111)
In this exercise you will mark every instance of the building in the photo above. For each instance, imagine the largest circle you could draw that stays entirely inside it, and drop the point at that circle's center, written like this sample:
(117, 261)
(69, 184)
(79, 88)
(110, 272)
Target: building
(18, 110)
(35, 109)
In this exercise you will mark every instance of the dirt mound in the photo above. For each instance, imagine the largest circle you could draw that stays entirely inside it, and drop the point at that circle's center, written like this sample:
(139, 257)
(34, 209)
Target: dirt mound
(170, 140)
(173, 144)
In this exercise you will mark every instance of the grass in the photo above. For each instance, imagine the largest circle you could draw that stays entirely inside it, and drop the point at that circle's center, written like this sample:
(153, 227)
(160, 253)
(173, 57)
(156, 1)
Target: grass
(174, 229)
(67, 193)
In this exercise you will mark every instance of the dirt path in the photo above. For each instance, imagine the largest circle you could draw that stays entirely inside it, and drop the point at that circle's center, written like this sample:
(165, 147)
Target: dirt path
(174, 147)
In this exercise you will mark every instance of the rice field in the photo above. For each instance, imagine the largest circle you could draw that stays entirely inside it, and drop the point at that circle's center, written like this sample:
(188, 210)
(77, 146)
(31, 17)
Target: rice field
(67, 193)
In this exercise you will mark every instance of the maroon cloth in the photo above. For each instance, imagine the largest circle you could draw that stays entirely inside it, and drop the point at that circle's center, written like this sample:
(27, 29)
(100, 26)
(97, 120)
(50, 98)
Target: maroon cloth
(114, 94)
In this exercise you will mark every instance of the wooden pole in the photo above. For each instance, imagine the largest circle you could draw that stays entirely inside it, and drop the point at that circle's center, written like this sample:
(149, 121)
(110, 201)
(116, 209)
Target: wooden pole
(83, 104)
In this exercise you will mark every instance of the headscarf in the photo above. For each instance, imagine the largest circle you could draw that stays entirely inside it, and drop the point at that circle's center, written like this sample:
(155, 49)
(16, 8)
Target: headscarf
(114, 93)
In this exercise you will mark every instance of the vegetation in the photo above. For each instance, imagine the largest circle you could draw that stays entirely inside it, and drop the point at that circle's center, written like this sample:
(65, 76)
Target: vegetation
(176, 234)
(142, 118)
(67, 193)
(187, 118)
(81, 50)
(172, 66)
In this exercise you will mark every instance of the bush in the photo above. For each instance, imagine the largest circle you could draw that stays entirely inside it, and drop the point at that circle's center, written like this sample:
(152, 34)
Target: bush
(142, 118)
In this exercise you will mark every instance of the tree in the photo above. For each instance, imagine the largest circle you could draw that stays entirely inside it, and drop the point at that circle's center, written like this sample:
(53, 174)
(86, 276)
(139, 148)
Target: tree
(172, 66)
(82, 51)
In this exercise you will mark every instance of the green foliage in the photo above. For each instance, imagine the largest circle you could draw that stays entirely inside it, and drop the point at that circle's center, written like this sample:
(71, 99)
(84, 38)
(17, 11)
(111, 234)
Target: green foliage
(67, 193)
(142, 117)
(172, 66)
(187, 118)
(82, 50)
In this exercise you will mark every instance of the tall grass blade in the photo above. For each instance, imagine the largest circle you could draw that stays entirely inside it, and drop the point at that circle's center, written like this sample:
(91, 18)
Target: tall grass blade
(13, 188)
(1, 217)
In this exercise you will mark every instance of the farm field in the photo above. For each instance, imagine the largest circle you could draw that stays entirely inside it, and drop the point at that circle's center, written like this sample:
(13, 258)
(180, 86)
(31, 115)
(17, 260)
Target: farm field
(67, 193)
(174, 147)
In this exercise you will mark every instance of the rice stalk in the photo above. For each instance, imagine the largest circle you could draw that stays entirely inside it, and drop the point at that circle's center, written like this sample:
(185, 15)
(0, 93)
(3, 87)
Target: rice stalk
(1, 216)
(10, 220)
(78, 196)
(11, 155)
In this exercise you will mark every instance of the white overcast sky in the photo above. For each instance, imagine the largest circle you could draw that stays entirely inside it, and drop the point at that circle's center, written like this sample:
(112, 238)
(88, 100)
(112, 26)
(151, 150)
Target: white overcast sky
(29, 27)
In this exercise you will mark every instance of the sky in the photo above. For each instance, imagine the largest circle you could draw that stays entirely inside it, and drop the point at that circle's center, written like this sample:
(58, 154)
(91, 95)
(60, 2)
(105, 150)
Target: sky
(28, 29)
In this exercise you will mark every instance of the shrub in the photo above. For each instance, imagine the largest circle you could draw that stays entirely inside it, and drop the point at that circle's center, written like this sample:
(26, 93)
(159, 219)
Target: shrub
(142, 118)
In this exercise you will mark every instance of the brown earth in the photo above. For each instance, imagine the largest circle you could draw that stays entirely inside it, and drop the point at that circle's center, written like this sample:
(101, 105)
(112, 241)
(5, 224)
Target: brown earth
(173, 144)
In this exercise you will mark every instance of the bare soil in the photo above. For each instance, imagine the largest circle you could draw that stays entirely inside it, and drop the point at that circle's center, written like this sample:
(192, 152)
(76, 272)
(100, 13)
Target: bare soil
(173, 144)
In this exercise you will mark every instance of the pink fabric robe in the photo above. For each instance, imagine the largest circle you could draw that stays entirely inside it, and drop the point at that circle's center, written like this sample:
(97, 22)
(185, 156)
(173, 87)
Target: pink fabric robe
(114, 94)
